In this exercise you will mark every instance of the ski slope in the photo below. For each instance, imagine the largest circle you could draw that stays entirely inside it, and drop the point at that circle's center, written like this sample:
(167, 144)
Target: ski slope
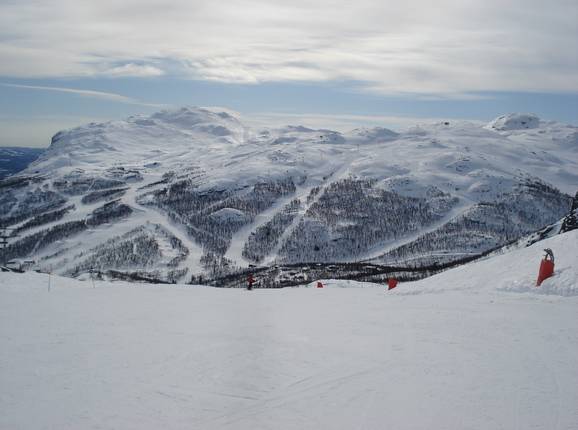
(478, 347)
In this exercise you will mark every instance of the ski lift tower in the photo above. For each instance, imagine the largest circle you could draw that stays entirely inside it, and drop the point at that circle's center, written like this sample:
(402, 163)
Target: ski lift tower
(5, 234)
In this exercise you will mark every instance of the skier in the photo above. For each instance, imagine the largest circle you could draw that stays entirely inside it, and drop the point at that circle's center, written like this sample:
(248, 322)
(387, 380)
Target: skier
(250, 281)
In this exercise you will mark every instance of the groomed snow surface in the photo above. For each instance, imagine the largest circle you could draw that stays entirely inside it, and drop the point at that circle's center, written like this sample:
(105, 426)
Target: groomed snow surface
(479, 347)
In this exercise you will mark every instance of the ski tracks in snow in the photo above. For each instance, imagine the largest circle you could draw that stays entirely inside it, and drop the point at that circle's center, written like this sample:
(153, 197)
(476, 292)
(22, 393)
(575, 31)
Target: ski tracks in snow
(310, 388)
(536, 408)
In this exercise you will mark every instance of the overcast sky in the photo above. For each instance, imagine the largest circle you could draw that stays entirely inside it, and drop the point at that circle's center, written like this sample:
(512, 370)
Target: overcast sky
(65, 62)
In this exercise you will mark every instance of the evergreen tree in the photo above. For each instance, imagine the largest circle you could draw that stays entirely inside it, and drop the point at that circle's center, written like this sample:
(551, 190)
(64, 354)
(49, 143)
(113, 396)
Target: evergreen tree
(571, 220)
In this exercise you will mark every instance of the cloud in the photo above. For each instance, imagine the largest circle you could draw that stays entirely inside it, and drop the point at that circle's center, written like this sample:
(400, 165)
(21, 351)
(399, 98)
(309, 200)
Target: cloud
(133, 70)
(86, 93)
(447, 48)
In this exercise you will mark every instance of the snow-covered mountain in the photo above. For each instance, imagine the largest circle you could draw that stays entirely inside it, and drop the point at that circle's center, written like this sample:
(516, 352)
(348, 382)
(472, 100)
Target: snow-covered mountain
(15, 159)
(195, 191)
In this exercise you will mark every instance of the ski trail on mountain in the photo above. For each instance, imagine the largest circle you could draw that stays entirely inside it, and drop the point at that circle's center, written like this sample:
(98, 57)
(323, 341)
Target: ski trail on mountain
(304, 209)
(235, 251)
(382, 249)
(151, 215)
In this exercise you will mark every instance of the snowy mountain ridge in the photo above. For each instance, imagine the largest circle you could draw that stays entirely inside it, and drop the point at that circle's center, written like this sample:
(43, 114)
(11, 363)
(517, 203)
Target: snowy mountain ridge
(195, 191)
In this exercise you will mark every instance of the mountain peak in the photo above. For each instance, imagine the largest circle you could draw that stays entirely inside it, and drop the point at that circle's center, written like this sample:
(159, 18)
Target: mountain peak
(189, 116)
(515, 121)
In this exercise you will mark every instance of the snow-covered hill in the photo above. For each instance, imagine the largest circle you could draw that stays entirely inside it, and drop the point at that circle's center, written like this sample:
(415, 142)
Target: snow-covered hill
(195, 191)
(478, 347)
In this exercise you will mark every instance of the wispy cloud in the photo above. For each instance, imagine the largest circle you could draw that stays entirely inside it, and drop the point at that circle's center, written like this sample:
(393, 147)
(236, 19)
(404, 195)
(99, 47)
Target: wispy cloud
(86, 93)
(133, 70)
(447, 48)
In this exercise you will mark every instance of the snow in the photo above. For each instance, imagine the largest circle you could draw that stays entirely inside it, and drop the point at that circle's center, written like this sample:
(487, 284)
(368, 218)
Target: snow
(478, 347)
(515, 271)
(470, 161)
(230, 214)
(234, 154)
(515, 121)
